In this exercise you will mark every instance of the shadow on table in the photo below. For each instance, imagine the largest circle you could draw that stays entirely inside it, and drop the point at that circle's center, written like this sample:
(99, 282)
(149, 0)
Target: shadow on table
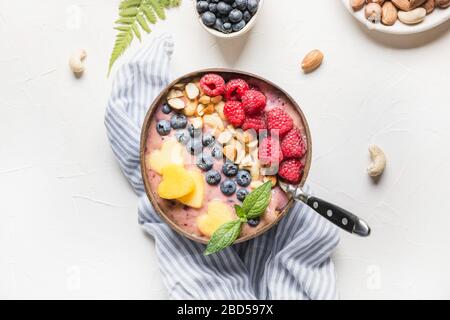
(231, 49)
(406, 41)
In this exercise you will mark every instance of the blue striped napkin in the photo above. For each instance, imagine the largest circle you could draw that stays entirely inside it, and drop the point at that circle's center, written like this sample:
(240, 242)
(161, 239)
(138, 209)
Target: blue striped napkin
(290, 261)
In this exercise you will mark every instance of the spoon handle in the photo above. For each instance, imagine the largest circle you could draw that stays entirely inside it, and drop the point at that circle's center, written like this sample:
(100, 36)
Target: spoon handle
(340, 217)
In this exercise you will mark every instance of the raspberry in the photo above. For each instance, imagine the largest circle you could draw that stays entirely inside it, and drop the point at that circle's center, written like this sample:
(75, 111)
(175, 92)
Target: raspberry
(212, 84)
(293, 145)
(291, 170)
(235, 89)
(279, 120)
(256, 123)
(254, 101)
(269, 151)
(234, 112)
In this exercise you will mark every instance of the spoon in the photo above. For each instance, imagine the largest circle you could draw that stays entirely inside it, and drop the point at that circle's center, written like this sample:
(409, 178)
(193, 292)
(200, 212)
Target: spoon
(338, 216)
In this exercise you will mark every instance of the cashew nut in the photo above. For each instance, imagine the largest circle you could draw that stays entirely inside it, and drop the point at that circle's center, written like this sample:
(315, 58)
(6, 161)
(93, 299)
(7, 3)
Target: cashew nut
(76, 62)
(378, 163)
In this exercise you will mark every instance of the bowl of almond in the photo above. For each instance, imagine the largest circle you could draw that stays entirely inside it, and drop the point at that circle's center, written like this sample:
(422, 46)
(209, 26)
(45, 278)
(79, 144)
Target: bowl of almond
(399, 16)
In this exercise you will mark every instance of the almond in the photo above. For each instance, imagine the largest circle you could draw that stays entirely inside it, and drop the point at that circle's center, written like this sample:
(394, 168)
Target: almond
(205, 99)
(219, 109)
(190, 108)
(388, 13)
(412, 17)
(442, 3)
(230, 151)
(177, 103)
(213, 120)
(357, 4)
(312, 61)
(175, 94)
(216, 99)
(429, 6)
(192, 91)
(272, 179)
(225, 137)
(407, 5)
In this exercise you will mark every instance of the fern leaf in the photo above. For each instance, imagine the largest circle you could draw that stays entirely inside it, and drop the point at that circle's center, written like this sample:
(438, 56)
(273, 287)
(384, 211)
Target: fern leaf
(122, 28)
(129, 12)
(164, 3)
(136, 31)
(135, 15)
(129, 3)
(125, 20)
(174, 3)
(149, 13)
(143, 23)
(158, 8)
(123, 41)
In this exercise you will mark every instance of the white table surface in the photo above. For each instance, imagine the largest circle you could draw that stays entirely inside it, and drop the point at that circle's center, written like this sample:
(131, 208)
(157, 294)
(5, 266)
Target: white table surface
(68, 222)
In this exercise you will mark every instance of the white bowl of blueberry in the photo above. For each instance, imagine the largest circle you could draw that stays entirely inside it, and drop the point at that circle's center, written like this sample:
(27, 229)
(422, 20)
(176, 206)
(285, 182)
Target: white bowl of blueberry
(227, 18)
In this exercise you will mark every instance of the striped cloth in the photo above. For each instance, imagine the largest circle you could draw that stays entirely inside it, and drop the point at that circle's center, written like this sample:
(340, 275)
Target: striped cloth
(290, 261)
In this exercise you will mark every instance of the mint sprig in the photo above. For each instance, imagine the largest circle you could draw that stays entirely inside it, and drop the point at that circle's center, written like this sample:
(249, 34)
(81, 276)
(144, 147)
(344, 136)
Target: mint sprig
(255, 204)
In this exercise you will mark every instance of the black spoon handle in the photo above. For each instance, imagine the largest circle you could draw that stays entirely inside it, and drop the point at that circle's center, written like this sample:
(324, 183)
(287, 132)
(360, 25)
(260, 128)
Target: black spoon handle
(340, 217)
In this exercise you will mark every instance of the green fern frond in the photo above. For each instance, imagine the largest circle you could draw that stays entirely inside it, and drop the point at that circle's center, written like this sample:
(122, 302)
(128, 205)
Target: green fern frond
(157, 7)
(135, 15)
(164, 3)
(149, 14)
(130, 3)
(143, 23)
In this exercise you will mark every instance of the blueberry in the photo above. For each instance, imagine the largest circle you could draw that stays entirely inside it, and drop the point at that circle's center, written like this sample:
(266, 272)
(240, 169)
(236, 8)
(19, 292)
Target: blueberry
(218, 25)
(208, 18)
(213, 7)
(182, 136)
(241, 4)
(241, 194)
(194, 132)
(202, 6)
(228, 187)
(217, 152)
(194, 146)
(214, 1)
(227, 27)
(163, 127)
(243, 178)
(205, 162)
(166, 109)
(252, 5)
(213, 177)
(235, 15)
(208, 139)
(223, 8)
(247, 16)
(229, 169)
(253, 222)
(178, 121)
(239, 26)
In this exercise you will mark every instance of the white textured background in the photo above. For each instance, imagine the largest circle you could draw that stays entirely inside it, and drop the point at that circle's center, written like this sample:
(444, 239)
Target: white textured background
(68, 222)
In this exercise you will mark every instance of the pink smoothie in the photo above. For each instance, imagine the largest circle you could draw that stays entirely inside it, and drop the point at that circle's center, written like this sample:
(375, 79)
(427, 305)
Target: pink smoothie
(184, 216)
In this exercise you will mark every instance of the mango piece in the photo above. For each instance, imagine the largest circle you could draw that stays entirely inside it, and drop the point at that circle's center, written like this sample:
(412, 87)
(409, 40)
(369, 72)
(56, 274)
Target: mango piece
(176, 183)
(171, 152)
(218, 214)
(195, 198)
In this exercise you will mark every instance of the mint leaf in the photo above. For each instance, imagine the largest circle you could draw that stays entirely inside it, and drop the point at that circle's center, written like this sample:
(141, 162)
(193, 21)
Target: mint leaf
(224, 236)
(240, 213)
(257, 201)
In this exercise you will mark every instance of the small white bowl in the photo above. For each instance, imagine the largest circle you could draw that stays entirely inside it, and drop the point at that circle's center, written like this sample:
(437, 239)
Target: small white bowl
(437, 17)
(232, 35)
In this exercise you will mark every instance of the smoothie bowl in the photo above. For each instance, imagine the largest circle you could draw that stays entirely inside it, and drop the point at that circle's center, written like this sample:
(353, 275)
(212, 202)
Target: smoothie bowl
(215, 140)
